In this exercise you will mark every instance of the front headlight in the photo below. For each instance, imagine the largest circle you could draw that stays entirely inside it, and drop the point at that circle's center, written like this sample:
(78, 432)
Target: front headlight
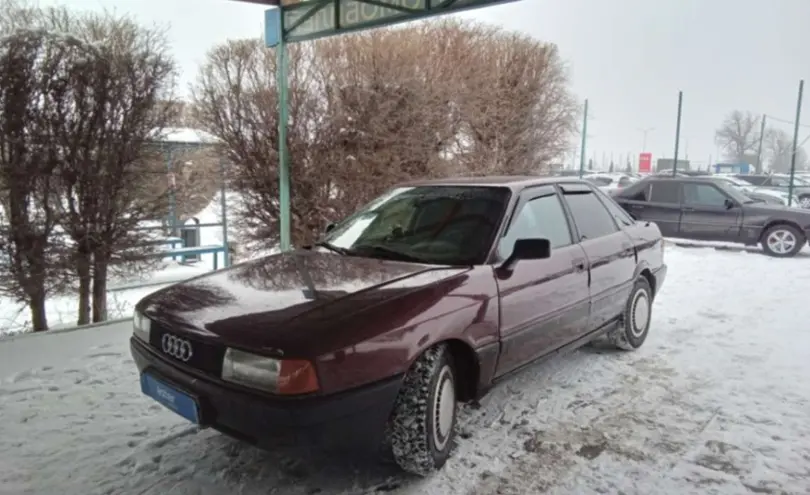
(278, 376)
(141, 326)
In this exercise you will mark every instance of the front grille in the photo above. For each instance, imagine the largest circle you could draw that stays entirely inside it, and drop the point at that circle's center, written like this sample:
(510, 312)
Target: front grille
(206, 357)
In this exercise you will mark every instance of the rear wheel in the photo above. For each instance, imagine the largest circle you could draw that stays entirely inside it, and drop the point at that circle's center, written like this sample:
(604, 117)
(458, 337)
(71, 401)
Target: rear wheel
(782, 241)
(422, 427)
(635, 324)
(804, 201)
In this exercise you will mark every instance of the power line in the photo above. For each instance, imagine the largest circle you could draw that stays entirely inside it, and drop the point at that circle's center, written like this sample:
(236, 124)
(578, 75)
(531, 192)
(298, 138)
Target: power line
(784, 121)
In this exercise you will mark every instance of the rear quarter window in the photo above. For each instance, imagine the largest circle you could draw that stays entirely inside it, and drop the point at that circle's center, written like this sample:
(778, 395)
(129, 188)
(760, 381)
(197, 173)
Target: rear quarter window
(621, 216)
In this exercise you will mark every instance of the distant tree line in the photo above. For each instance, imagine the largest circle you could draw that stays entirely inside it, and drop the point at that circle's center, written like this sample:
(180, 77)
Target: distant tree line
(741, 138)
(83, 96)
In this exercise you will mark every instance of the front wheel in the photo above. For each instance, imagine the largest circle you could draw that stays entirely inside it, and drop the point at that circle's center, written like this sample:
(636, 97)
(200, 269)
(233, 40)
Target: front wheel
(635, 322)
(782, 241)
(422, 426)
(804, 201)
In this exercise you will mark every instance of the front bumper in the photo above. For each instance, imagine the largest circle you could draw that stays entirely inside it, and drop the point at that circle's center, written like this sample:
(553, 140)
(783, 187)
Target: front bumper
(353, 419)
(660, 275)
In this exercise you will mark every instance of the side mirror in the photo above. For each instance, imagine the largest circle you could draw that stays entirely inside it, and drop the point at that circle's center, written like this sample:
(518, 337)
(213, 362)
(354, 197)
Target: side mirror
(330, 227)
(526, 249)
(729, 204)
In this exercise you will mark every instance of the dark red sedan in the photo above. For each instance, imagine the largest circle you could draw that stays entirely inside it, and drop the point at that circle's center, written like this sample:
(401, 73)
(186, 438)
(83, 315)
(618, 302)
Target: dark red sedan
(425, 297)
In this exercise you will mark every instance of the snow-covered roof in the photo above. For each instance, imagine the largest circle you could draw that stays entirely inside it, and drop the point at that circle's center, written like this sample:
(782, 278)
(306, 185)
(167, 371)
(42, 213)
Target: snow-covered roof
(184, 135)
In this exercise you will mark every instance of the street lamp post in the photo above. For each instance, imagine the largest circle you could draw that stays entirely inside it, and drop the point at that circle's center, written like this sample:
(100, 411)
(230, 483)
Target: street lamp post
(644, 132)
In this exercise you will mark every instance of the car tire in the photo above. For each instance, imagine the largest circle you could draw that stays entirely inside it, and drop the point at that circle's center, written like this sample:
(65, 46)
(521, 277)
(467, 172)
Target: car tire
(421, 430)
(635, 322)
(782, 241)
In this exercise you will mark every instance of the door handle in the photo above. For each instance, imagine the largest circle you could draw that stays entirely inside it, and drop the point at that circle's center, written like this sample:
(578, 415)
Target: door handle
(688, 208)
(579, 265)
(626, 246)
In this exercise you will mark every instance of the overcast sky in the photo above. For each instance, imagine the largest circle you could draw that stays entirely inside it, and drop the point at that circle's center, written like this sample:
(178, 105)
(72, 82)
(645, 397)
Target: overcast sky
(628, 57)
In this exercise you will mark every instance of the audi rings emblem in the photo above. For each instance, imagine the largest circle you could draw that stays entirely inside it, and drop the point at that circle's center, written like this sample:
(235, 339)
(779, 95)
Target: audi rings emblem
(176, 347)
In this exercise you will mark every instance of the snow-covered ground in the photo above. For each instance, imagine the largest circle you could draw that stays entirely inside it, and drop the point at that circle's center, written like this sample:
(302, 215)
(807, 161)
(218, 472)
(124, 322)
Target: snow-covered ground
(124, 293)
(716, 401)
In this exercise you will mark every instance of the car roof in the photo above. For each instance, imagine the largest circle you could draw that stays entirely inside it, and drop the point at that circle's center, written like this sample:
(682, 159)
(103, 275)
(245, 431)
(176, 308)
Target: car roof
(513, 182)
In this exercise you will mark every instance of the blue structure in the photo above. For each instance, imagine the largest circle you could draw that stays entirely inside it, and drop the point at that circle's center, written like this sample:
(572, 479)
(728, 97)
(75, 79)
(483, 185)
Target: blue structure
(732, 168)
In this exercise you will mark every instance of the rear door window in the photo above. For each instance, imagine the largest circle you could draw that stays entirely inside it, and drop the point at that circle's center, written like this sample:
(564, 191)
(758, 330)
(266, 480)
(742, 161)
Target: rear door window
(703, 195)
(665, 191)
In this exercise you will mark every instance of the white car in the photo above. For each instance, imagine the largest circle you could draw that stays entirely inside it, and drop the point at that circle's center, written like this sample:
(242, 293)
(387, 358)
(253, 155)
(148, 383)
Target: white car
(610, 181)
(754, 192)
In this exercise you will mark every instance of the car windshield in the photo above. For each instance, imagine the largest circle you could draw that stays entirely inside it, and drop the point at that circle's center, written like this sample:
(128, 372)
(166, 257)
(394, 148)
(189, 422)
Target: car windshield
(452, 225)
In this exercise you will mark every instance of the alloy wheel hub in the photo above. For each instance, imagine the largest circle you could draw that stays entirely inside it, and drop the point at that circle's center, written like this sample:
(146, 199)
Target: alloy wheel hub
(781, 241)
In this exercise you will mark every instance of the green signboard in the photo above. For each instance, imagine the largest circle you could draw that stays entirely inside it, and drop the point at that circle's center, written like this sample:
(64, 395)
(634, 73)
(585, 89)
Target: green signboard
(310, 19)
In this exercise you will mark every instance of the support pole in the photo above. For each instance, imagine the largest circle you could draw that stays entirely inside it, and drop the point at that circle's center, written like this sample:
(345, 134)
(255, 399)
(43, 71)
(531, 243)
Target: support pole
(759, 148)
(223, 203)
(172, 195)
(283, 158)
(677, 134)
(584, 138)
(795, 141)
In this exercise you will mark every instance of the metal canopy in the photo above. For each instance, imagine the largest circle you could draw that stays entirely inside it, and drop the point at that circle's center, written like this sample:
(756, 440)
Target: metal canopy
(311, 19)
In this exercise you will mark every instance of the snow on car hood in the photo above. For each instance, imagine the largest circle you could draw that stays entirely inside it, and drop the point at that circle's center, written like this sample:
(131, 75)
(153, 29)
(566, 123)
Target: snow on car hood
(286, 297)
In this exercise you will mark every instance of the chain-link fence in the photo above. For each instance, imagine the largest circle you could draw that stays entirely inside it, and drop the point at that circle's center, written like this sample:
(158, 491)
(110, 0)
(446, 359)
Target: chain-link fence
(741, 141)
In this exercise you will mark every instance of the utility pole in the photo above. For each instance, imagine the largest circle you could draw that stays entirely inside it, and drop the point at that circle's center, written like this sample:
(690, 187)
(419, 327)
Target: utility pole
(584, 138)
(644, 132)
(759, 149)
(677, 133)
(795, 141)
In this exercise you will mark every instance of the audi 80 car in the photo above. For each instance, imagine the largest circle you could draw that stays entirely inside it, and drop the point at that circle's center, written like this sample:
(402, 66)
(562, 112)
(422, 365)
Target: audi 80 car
(424, 298)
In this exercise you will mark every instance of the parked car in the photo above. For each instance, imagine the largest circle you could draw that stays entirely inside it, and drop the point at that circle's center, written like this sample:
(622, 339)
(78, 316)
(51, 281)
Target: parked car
(780, 182)
(707, 209)
(427, 296)
(610, 182)
(570, 173)
(769, 196)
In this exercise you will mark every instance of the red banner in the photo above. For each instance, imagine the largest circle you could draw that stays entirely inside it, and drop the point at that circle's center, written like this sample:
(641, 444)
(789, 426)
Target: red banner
(644, 163)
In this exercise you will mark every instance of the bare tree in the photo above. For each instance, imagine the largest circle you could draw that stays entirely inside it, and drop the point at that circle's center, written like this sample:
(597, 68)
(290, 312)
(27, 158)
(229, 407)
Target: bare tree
(389, 108)
(372, 109)
(739, 135)
(33, 65)
(517, 102)
(780, 151)
(236, 100)
(126, 94)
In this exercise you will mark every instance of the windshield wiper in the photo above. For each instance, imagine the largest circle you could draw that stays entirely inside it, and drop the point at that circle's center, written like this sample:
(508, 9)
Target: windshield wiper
(390, 253)
(333, 248)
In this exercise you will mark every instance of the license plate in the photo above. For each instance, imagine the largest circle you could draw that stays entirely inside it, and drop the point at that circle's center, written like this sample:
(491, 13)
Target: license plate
(179, 402)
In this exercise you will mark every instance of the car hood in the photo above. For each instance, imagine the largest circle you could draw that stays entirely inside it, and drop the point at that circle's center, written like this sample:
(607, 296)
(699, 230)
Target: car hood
(285, 297)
